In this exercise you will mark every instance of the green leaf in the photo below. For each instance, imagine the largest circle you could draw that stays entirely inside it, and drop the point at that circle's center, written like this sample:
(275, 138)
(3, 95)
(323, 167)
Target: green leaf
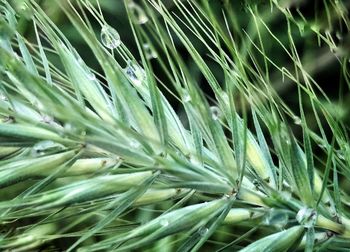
(280, 241)
(300, 175)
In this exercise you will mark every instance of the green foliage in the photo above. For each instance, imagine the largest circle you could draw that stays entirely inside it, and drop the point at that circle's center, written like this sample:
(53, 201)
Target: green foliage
(204, 126)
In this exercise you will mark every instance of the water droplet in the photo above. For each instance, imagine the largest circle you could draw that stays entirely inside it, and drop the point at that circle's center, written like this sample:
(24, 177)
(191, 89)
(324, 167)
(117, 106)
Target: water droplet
(202, 231)
(135, 144)
(339, 35)
(307, 217)
(69, 127)
(215, 112)
(340, 154)
(138, 12)
(315, 27)
(192, 158)
(149, 52)
(81, 62)
(73, 129)
(91, 76)
(277, 218)
(23, 9)
(186, 97)
(225, 98)
(286, 195)
(46, 147)
(284, 135)
(227, 196)
(135, 73)
(47, 119)
(3, 97)
(164, 222)
(297, 120)
(110, 37)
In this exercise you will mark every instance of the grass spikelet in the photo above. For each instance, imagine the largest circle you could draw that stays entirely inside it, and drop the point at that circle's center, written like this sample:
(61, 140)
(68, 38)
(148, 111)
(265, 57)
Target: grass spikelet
(174, 125)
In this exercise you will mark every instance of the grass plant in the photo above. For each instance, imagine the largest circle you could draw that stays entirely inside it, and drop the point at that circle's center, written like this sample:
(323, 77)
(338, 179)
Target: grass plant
(189, 142)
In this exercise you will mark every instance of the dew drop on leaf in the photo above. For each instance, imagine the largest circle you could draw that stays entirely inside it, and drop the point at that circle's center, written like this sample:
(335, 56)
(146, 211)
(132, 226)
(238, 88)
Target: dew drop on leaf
(71, 128)
(225, 98)
(47, 119)
(186, 97)
(138, 12)
(227, 196)
(284, 135)
(202, 231)
(3, 97)
(149, 52)
(91, 76)
(340, 154)
(23, 9)
(110, 37)
(296, 120)
(164, 222)
(134, 144)
(46, 147)
(215, 112)
(286, 195)
(85, 68)
(338, 35)
(135, 73)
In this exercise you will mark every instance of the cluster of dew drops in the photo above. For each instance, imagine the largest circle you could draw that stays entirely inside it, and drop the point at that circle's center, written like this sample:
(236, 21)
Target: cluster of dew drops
(110, 38)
